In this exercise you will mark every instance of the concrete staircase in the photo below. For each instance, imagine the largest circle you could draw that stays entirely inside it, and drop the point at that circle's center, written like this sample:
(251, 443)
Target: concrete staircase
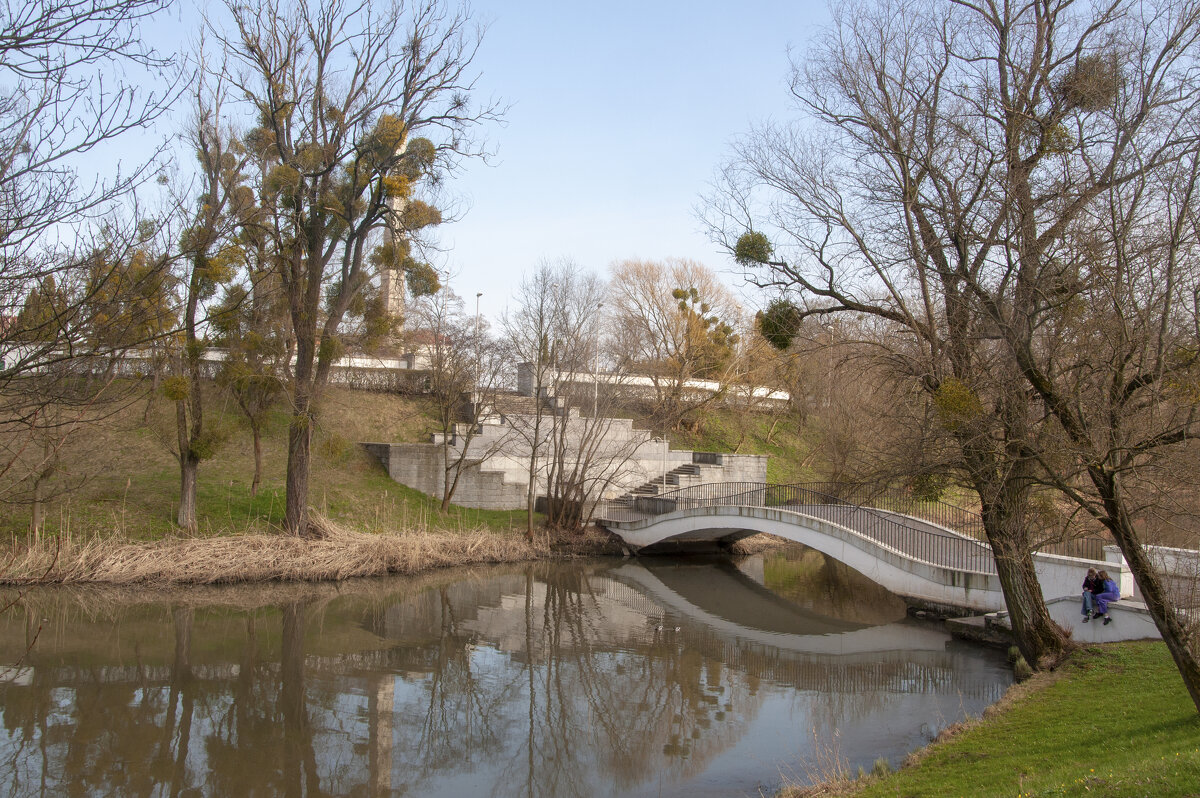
(678, 477)
(499, 436)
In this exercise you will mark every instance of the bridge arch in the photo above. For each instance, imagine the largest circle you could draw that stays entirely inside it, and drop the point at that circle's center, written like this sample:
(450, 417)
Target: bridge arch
(969, 583)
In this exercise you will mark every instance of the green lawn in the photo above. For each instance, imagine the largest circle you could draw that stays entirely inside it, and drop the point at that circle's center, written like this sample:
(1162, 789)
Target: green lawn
(123, 479)
(1119, 723)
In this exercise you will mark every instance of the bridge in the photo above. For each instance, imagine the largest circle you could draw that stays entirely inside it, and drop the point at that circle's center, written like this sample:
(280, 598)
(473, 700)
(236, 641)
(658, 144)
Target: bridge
(931, 558)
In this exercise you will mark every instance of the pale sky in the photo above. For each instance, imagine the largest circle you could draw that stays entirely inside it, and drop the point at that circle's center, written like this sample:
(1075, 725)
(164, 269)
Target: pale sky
(620, 114)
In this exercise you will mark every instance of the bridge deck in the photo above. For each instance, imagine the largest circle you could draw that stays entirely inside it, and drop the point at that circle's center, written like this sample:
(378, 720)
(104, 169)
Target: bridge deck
(913, 538)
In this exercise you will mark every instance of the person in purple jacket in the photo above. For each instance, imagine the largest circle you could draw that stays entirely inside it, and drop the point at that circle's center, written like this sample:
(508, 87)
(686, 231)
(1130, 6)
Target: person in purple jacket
(1109, 594)
(1092, 584)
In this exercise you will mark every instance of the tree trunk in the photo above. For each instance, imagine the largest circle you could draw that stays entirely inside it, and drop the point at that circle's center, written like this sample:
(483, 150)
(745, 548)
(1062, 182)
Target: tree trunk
(448, 486)
(1161, 608)
(298, 464)
(529, 500)
(530, 495)
(1004, 501)
(189, 423)
(37, 511)
(256, 433)
(304, 386)
(189, 466)
(1042, 642)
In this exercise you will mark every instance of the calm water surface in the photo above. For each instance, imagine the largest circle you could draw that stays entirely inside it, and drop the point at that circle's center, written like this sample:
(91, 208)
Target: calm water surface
(643, 678)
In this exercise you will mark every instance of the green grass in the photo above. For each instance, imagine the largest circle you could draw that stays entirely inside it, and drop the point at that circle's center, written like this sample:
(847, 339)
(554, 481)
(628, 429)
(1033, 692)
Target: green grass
(1119, 723)
(788, 444)
(130, 480)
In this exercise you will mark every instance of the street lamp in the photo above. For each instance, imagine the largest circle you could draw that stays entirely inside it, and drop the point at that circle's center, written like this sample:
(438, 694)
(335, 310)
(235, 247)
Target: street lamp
(596, 370)
(665, 447)
(478, 344)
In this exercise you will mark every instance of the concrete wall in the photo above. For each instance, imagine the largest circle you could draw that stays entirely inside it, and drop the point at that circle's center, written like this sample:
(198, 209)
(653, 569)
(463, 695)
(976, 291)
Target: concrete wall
(637, 385)
(404, 374)
(499, 483)
(1130, 621)
(420, 466)
(1172, 562)
(1063, 576)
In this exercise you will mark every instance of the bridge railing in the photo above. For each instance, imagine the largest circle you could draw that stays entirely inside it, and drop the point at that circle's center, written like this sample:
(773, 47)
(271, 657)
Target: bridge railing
(913, 537)
(941, 513)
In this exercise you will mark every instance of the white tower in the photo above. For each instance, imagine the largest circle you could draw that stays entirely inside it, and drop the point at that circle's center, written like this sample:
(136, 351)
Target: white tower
(391, 280)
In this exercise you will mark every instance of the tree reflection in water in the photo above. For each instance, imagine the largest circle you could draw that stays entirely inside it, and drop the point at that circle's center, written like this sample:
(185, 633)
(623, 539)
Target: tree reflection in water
(547, 679)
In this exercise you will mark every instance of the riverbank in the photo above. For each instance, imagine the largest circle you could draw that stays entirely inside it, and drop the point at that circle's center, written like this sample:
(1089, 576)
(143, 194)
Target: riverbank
(336, 552)
(1115, 720)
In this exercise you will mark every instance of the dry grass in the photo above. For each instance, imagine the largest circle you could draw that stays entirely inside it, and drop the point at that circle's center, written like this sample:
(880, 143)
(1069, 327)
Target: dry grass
(758, 544)
(827, 773)
(336, 553)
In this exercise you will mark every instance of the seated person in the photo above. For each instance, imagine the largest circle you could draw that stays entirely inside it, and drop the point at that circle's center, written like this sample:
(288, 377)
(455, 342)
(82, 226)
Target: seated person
(1092, 585)
(1109, 594)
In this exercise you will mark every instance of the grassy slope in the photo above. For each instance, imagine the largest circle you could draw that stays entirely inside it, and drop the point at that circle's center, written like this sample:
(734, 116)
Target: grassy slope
(791, 449)
(1117, 722)
(132, 479)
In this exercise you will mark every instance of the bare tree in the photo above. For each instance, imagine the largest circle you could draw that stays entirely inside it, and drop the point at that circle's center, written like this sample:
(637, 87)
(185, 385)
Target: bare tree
(971, 158)
(251, 325)
(586, 453)
(883, 205)
(555, 334)
(465, 369)
(1111, 350)
(77, 75)
(342, 94)
(58, 107)
(677, 323)
(529, 333)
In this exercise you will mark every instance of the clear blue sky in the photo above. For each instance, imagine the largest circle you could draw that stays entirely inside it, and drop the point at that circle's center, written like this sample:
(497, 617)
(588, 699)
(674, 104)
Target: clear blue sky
(621, 113)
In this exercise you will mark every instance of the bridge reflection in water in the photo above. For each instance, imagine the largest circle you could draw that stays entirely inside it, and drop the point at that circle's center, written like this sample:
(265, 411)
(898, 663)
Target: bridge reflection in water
(927, 551)
(546, 679)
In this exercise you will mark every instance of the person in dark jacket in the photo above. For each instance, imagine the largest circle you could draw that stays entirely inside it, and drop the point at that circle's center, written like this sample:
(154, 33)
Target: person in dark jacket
(1092, 584)
(1109, 594)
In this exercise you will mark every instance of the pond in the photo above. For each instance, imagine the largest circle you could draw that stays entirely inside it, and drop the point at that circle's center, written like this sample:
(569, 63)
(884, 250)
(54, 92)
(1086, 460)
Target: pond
(634, 677)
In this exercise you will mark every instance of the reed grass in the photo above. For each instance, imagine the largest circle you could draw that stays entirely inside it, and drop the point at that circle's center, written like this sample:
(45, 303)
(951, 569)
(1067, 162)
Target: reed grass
(335, 552)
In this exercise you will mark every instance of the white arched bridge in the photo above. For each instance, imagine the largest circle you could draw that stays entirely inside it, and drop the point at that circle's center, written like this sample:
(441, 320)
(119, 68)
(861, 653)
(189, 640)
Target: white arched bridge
(926, 551)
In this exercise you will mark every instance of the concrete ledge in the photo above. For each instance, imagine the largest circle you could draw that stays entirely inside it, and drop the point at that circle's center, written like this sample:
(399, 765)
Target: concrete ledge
(978, 630)
(1131, 621)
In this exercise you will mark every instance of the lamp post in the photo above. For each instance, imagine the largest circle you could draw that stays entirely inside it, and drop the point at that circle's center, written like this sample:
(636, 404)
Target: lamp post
(596, 370)
(665, 446)
(478, 346)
